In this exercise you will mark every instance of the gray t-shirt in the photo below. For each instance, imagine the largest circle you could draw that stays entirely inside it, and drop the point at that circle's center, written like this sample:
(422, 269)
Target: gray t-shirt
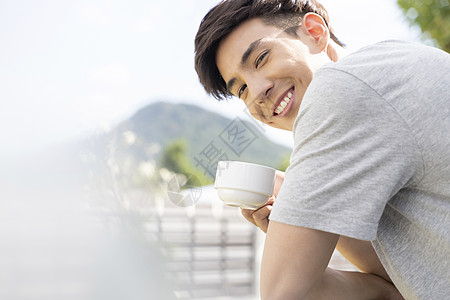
(371, 161)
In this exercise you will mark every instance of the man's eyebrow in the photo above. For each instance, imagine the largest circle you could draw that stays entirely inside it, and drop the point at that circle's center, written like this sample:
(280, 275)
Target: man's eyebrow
(249, 51)
(244, 59)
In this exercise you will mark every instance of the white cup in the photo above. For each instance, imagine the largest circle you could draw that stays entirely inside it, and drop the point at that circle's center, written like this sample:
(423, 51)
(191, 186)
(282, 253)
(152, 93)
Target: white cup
(245, 185)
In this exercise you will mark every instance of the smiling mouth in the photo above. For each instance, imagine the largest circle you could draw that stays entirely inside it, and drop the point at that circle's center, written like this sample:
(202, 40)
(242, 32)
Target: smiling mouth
(283, 103)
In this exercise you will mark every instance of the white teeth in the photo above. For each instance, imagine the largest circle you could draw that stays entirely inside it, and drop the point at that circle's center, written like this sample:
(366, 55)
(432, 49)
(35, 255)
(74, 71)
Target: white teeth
(283, 103)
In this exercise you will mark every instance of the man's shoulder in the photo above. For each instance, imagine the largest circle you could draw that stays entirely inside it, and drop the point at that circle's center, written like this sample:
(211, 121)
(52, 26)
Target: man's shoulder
(390, 69)
(381, 59)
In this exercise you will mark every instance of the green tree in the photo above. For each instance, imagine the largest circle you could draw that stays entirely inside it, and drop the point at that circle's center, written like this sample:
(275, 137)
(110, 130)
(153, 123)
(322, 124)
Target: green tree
(432, 16)
(175, 159)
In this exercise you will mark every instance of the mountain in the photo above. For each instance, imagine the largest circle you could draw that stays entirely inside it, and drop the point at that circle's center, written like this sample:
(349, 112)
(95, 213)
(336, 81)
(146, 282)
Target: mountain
(209, 135)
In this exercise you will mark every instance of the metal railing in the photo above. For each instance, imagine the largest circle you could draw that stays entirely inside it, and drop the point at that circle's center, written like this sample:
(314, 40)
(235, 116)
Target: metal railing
(207, 256)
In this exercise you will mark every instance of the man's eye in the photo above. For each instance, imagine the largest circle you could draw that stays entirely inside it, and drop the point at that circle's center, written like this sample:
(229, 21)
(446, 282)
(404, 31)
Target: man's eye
(242, 90)
(260, 58)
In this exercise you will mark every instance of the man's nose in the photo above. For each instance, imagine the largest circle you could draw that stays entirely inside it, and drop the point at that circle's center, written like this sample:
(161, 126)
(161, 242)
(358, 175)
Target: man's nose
(259, 89)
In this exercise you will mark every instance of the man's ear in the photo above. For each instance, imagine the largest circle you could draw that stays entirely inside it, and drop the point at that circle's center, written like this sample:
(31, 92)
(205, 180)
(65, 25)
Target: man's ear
(314, 27)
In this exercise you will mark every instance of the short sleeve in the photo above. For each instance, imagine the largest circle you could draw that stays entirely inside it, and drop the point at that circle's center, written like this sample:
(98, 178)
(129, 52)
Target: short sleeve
(352, 153)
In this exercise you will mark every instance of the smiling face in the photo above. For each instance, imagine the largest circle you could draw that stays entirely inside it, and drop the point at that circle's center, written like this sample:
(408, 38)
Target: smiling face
(270, 69)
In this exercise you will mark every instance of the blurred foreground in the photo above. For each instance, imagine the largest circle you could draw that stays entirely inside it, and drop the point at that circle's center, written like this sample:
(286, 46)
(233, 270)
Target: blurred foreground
(72, 226)
(69, 230)
(53, 247)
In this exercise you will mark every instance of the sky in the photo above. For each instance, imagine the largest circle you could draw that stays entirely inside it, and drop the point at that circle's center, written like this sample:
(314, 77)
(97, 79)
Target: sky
(70, 69)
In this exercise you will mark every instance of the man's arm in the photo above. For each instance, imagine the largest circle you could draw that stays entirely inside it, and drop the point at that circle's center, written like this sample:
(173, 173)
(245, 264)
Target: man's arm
(362, 255)
(359, 253)
(294, 266)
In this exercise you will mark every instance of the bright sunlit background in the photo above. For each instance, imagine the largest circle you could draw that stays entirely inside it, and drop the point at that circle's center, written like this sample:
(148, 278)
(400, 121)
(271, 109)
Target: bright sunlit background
(73, 68)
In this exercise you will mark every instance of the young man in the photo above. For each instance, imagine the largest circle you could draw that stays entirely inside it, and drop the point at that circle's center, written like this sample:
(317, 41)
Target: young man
(370, 169)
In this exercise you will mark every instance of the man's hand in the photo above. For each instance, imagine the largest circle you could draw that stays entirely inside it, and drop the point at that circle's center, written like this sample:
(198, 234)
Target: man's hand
(260, 217)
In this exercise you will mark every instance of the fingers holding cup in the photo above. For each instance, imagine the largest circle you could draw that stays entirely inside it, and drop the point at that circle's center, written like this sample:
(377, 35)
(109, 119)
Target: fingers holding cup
(259, 217)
